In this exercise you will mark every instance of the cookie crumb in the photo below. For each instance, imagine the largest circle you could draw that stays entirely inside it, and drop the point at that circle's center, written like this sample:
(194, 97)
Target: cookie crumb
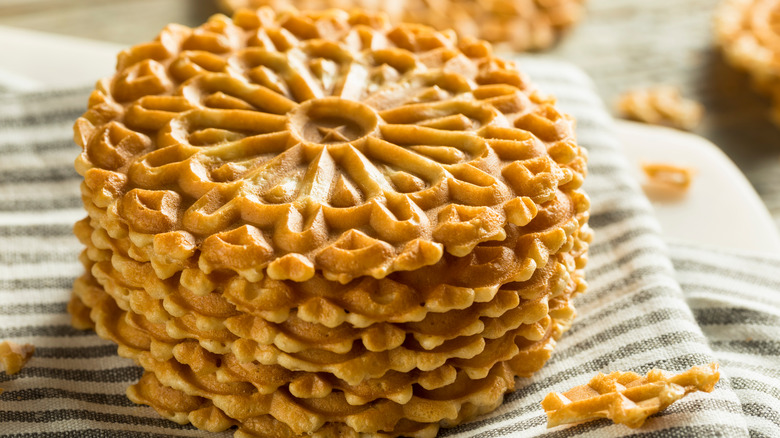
(669, 175)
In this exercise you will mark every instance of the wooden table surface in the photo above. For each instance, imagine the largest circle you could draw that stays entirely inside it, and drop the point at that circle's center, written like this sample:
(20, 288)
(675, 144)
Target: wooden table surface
(622, 44)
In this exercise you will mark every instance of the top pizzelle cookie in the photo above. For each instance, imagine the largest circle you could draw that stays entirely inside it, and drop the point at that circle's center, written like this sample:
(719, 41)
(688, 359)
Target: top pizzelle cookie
(286, 144)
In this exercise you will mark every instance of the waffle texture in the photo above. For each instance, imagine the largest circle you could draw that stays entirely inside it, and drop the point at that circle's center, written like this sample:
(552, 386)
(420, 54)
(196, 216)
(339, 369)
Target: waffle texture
(319, 223)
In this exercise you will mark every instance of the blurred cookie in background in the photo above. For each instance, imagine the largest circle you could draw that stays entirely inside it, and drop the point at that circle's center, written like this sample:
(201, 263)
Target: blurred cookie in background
(519, 25)
(748, 32)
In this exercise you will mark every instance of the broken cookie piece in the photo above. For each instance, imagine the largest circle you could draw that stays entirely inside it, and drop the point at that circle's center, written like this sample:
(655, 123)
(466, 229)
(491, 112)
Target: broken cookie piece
(669, 175)
(626, 397)
(661, 105)
(13, 356)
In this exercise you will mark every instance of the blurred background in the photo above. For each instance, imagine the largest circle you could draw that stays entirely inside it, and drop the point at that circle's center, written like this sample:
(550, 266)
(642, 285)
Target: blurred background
(621, 44)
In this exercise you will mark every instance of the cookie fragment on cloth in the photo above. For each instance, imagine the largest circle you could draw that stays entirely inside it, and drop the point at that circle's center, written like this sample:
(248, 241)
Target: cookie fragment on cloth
(626, 397)
(13, 357)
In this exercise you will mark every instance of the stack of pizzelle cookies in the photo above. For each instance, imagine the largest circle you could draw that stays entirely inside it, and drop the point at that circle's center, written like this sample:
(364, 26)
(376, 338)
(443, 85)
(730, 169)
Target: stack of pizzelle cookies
(322, 224)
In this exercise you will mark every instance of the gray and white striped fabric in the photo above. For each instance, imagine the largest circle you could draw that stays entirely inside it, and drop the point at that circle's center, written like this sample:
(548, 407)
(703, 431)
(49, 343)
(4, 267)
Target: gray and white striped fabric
(650, 304)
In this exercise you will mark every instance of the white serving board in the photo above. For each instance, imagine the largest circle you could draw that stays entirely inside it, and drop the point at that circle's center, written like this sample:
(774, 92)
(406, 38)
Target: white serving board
(720, 208)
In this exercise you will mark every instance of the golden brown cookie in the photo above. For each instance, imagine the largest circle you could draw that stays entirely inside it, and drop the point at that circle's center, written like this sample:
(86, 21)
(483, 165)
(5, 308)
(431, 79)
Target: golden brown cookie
(14, 356)
(626, 397)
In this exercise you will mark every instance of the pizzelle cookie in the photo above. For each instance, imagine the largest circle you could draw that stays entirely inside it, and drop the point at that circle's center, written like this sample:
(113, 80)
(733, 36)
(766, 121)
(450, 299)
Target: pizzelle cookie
(319, 223)
(748, 32)
(518, 24)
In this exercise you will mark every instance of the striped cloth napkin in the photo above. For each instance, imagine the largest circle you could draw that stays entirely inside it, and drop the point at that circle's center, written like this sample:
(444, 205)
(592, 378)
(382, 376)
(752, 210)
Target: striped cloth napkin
(651, 304)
